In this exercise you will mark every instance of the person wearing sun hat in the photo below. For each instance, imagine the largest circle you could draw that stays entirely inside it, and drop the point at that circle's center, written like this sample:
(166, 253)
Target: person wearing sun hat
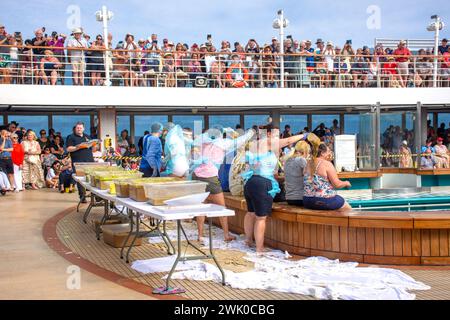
(77, 58)
(169, 69)
(406, 160)
(441, 154)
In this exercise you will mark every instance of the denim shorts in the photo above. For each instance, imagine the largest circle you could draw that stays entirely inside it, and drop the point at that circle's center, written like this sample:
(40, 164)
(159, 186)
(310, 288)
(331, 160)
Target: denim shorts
(316, 203)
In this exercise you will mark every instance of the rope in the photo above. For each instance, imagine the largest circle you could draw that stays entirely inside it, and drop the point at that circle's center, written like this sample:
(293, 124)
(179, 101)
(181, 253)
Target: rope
(118, 158)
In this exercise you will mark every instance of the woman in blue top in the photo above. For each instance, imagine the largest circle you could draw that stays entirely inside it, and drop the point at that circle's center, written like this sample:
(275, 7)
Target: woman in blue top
(260, 185)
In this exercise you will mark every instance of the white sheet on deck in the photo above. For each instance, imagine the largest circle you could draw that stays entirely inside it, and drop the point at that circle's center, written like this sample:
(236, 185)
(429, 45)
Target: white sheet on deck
(316, 276)
(163, 264)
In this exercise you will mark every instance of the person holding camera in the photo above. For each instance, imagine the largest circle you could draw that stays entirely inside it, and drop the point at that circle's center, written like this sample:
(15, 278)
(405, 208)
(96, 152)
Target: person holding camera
(57, 42)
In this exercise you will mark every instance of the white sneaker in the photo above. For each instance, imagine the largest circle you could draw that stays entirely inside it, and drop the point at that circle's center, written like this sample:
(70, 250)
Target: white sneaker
(16, 190)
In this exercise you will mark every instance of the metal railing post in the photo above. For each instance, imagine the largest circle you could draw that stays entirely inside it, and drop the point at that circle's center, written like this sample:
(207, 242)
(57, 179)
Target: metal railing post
(107, 52)
(32, 67)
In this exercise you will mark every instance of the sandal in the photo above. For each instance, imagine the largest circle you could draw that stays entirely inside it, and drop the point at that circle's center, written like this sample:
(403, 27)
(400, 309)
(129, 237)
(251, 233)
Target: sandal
(168, 290)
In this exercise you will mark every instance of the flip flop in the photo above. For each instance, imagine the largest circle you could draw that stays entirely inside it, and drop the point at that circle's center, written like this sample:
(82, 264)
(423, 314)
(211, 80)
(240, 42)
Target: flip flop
(168, 290)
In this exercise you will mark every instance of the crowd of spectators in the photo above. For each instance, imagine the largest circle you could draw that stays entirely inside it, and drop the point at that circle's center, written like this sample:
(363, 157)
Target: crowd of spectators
(46, 59)
(28, 161)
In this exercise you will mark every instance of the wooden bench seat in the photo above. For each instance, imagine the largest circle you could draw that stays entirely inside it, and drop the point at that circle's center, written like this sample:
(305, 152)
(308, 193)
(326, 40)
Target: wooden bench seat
(406, 238)
(350, 218)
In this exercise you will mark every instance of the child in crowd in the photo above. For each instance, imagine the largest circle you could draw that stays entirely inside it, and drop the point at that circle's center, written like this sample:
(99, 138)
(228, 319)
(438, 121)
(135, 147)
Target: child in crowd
(47, 159)
(134, 165)
(65, 177)
(52, 177)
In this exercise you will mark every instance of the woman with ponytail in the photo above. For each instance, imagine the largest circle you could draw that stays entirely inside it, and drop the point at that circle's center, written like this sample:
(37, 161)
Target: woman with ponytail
(294, 171)
(320, 182)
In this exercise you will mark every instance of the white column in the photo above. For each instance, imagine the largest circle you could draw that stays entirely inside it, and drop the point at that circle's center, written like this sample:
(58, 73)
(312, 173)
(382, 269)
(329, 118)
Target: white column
(107, 124)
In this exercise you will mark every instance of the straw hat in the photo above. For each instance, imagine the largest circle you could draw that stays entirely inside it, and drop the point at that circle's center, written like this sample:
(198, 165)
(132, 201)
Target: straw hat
(77, 31)
(234, 55)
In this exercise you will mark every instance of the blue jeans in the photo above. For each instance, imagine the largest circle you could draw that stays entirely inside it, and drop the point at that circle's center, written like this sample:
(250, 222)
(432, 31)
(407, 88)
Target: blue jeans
(316, 203)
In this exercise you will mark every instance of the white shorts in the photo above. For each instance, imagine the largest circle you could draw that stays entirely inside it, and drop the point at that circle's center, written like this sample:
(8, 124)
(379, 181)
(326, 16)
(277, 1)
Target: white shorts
(403, 68)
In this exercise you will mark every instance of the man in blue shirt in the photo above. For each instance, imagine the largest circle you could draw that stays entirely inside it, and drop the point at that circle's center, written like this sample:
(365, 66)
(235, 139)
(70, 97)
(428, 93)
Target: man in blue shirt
(443, 47)
(152, 152)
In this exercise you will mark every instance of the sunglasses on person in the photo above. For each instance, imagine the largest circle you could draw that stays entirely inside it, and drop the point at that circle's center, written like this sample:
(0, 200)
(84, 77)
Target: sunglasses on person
(14, 138)
(99, 39)
(42, 133)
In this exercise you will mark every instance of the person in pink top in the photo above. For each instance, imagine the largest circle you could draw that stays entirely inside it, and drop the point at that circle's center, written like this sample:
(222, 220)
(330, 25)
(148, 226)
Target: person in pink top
(210, 151)
(57, 42)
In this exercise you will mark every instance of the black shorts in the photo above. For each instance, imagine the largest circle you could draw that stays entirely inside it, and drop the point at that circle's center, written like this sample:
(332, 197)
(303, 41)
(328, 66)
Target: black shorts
(6, 165)
(256, 192)
(297, 203)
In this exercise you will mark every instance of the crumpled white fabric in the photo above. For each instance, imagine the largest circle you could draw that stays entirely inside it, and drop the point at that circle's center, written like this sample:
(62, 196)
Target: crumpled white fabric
(163, 264)
(315, 276)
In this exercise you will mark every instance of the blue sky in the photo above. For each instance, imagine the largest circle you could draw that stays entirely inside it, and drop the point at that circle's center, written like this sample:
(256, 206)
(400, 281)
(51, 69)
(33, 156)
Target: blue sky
(233, 20)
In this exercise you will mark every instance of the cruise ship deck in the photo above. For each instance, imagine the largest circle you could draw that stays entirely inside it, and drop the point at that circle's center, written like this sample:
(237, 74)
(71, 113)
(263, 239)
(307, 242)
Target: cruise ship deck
(43, 237)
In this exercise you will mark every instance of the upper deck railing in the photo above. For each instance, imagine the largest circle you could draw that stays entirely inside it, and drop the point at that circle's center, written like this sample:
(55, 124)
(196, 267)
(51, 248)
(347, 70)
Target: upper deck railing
(159, 68)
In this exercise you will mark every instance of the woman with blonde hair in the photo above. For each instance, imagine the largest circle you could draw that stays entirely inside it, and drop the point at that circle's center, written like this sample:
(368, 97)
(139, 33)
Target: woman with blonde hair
(32, 166)
(294, 171)
(320, 182)
(49, 67)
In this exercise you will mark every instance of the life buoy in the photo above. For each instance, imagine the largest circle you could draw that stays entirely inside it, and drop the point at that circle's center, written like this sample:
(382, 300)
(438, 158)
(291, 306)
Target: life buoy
(237, 75)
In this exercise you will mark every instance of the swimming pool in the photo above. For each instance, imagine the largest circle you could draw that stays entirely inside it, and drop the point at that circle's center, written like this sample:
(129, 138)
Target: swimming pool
(405, 199)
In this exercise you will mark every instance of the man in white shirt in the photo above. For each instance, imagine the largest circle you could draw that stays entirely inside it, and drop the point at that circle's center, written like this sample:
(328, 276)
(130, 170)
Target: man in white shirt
(77, 56)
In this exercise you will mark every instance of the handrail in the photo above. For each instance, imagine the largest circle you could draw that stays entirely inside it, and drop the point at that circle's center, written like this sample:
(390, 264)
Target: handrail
(146, 67)
(294, 54)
